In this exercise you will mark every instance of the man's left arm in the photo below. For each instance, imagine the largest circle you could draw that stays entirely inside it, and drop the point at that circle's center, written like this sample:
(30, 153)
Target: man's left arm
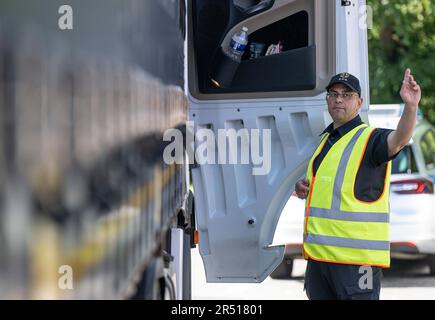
(411, 95)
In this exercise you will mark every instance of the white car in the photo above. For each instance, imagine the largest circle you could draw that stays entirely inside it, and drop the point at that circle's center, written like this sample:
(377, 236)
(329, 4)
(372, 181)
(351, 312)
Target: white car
(412, 198)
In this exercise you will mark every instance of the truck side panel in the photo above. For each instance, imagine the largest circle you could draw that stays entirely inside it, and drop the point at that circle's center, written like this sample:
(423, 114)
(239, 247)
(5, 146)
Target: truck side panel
(86, 200)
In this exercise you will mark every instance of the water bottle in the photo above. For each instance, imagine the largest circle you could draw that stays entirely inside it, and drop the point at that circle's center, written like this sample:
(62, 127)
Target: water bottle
(238, 44)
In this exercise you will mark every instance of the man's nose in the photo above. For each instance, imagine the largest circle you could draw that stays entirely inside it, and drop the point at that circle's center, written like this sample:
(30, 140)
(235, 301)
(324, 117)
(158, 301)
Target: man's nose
(339, 99)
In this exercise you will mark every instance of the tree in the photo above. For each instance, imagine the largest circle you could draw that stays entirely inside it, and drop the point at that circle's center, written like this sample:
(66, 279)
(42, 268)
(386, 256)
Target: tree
(402, 35)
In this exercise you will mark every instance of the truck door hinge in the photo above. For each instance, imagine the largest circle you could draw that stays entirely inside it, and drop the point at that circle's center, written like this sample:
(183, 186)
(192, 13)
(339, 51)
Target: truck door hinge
(345, 3)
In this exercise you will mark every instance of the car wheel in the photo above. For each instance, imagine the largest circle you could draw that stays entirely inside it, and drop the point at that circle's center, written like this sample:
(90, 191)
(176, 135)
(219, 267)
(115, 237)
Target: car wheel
(284, 270)
(431, 261)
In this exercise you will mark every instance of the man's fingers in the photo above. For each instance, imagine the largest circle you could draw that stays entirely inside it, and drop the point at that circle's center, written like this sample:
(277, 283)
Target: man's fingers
(409, 79)
(302, 191)
(303, 184)
(407, 73)
(302, 195)
(301, 188)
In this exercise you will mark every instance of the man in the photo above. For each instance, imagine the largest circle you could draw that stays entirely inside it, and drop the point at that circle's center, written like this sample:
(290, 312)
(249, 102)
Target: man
(346, 189)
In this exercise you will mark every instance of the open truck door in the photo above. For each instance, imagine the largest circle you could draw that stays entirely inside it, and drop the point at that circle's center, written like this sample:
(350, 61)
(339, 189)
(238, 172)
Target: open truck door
(236, 210)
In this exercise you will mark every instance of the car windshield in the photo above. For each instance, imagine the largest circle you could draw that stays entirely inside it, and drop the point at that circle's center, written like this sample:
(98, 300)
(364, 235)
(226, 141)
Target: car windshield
(404, 162)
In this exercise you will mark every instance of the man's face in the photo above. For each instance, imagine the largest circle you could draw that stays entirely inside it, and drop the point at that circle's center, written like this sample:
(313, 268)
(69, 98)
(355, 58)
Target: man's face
(342, 109)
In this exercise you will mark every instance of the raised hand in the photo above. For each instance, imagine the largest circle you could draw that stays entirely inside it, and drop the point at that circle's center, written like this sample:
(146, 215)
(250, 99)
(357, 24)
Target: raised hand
(410, 91)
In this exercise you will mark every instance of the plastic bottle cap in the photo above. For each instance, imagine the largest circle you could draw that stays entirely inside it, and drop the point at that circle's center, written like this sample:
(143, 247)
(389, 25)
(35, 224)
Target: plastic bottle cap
(245, 29)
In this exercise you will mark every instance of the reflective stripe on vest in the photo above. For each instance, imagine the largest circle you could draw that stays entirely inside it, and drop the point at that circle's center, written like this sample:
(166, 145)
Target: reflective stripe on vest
(346, 242)
(338, 227)
(349, 216)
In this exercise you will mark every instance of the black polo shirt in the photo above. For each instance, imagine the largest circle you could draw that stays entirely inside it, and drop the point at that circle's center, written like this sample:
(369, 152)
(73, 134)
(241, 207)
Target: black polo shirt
(371, 175)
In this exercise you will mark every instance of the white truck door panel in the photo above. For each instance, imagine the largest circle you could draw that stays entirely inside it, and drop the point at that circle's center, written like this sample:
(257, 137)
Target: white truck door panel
(237, 211)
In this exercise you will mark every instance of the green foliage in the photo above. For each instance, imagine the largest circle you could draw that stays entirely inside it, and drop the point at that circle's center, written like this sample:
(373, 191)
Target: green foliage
(402, 35)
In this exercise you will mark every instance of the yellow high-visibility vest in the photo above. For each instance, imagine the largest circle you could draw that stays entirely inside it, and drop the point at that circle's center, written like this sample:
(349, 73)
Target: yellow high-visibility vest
(338, 227)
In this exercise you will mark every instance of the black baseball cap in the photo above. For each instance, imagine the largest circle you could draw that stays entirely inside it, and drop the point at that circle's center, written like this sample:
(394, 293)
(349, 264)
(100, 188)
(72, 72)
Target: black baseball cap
(347, 79)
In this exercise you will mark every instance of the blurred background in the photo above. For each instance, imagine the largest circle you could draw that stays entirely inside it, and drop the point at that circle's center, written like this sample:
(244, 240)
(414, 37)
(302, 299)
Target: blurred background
(402, 35)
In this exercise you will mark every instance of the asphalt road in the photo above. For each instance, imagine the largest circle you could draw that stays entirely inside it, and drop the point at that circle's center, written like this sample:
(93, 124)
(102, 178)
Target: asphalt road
(406, 280)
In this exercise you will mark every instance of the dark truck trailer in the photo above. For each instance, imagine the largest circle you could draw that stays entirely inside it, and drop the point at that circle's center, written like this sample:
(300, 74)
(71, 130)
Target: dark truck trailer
(88, 208)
